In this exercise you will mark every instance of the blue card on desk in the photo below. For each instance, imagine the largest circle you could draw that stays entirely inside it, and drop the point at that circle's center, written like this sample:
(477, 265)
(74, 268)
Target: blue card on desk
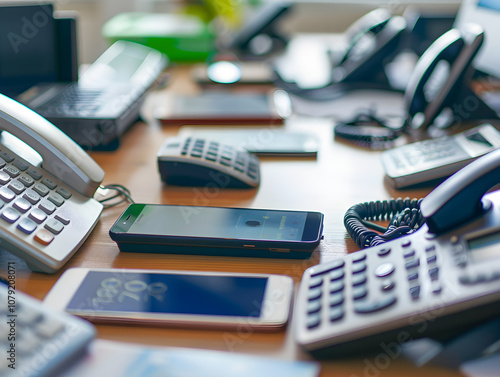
(115, 359)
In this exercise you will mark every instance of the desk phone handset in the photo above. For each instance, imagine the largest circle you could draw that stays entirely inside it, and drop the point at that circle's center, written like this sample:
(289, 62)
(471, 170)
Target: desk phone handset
(430, 283)
(46, 208)
(373, 40)
(438, 91)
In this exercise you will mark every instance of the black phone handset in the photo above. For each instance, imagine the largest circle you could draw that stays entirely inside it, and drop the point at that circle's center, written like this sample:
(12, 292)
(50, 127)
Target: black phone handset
(374, 39)
(438, 91)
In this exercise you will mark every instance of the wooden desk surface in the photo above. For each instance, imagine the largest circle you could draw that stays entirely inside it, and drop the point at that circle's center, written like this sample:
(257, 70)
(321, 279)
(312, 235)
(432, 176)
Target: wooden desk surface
(340, 176)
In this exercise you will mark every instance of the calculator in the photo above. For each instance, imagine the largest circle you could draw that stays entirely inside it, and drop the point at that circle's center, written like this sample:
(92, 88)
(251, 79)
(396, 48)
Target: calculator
(192, 161)
(434, 159)
(36, 340)
(419, 285)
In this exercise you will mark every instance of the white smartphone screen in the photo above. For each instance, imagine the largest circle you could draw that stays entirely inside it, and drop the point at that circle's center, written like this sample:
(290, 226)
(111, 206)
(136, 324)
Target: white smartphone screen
(209, 222)
(115, 291)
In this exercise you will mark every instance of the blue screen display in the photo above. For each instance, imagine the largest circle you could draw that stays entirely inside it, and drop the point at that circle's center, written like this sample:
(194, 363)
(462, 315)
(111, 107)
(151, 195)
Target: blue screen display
(490, 4)
(169, 293)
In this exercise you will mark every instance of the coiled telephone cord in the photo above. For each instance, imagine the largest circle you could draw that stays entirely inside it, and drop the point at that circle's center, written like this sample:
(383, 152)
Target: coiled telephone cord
(404, 215)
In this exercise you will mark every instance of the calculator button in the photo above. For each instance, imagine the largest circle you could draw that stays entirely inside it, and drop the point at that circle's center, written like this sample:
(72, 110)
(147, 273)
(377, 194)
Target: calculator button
(365, 307)
(336, 286)
(409, 253)
(49, 183)
(359, 292)
(313, 306)
(6, 194)
(315, 281)
(358, 257)
(10, 215)
(336, 313)
(44, 237)
(358, 267)
(27, 226)
(384, 251)
(336, 275)
(47, 207)
(12, 171)
(31, 197)
(22, 205)
(336, 299)
(17, 187)
(431, 259)
(41, 189)
(359, 279)
(314, 293)
(6, 156)
(38, 215)
(26, 180)
(434, 273)
(412, 276)
(415, 292)
(48, 328)
(326, 267)
(387, 284)
(34, 174)
(21, 165)
(54, 226)
(63, 192)
(313, 320)
(57, 199)
(384, 269)
(412, 264)
(2, 163)
(62, 218)
(4, 178)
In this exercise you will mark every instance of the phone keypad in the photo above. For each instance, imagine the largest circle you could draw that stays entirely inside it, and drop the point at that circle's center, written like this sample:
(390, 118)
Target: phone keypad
(187, 160)
(30, 329)
(30, 199)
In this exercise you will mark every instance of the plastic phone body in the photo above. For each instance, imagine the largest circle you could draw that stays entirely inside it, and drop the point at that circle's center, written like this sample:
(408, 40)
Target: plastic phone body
(174, 298)
(40, 200)
(374, 40)
(431, 283)
(432, 159)
(195, 161)
(217, 231)
(438, 92)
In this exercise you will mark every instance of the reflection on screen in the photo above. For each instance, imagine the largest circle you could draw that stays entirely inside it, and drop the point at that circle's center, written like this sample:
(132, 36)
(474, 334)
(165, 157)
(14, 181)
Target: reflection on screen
(174, 294)
(212, 222)
(490, 4)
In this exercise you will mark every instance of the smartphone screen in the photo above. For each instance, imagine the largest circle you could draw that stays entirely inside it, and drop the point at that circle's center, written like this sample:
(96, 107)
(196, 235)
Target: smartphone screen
(220, 223)
(115, 291)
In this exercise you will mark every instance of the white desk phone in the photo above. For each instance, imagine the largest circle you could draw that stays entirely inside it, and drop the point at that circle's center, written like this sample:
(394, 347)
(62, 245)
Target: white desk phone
(46, 209)
(443, 277)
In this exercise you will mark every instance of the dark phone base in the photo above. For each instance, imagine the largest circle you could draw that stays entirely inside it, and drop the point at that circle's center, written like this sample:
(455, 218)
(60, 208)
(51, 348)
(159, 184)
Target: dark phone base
(213, 251)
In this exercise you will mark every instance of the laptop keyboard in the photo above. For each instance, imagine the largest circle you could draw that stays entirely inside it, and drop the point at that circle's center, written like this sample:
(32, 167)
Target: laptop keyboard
(74, 100)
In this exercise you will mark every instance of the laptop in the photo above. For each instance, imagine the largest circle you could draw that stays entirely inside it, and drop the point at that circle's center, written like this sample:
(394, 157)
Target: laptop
(39, 68)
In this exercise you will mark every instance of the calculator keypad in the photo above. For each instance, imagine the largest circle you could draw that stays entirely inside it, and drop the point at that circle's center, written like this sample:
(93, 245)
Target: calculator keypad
(241, 167)
(22, 188)
(29, 329)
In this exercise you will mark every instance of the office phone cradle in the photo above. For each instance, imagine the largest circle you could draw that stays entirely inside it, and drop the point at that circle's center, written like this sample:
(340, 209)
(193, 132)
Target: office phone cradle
(38, 340)
(418, 285)
(42, 220)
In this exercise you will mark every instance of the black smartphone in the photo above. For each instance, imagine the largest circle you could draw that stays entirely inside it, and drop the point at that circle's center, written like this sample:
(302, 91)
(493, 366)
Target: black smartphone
(218, 231)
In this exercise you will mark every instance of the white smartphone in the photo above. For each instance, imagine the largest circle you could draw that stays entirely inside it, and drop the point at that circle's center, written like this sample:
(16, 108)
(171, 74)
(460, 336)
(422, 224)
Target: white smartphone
(163, 297)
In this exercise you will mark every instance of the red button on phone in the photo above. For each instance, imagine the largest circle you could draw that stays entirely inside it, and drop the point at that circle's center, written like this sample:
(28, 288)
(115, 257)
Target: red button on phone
(44, 237)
